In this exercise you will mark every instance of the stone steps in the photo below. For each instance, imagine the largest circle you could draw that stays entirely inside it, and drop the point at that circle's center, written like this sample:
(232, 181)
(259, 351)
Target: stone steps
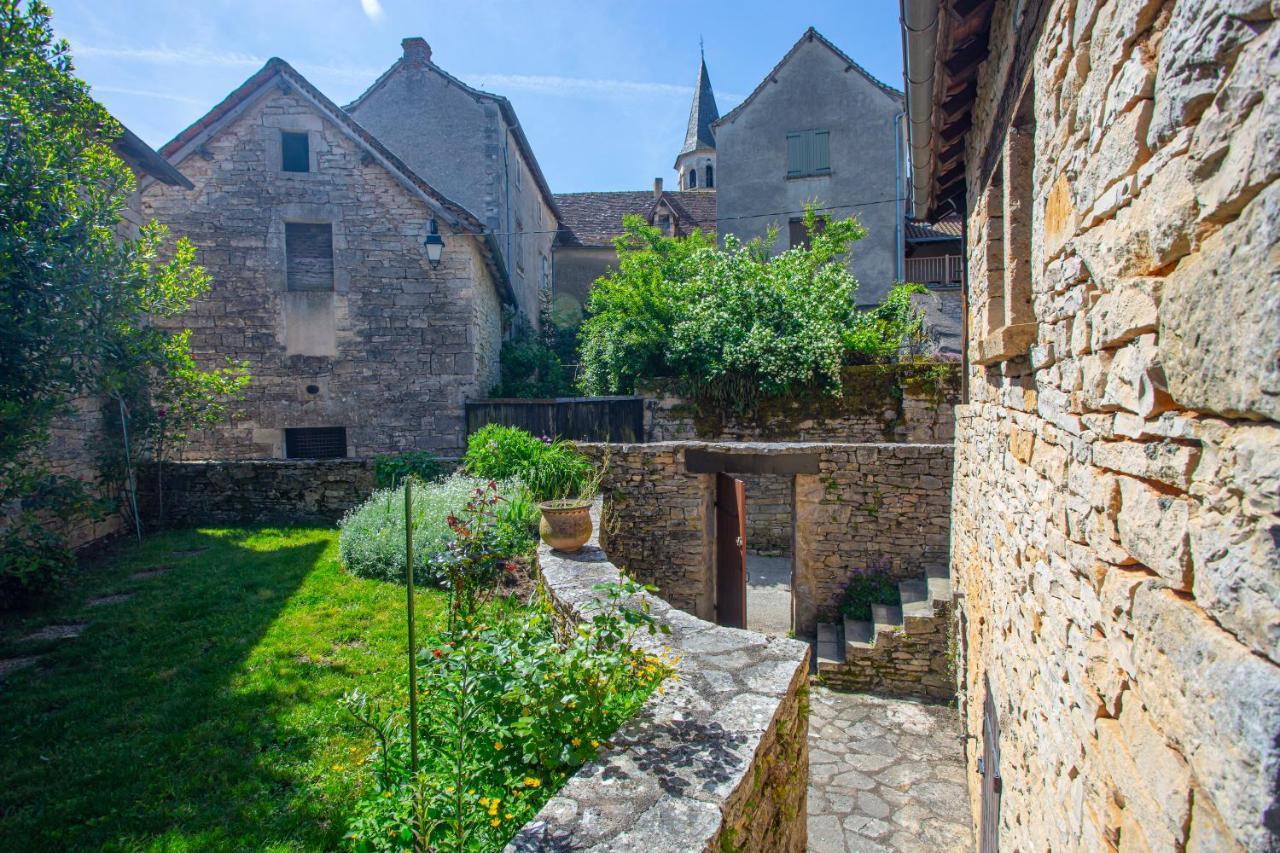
(902, 646)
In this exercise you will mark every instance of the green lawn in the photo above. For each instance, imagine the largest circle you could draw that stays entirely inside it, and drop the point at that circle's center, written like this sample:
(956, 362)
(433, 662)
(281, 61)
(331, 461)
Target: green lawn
(202, 712)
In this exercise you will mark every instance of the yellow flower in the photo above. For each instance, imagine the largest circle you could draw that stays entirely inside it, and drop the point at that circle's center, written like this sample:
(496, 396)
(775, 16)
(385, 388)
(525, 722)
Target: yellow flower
(471, 792)
(497, 744)
(509, 815)
(336, 767)
(484, 801)
(494, 822)
(576, 741)
(531, 782)
(386, 794)
(594, 743)
(449, 790)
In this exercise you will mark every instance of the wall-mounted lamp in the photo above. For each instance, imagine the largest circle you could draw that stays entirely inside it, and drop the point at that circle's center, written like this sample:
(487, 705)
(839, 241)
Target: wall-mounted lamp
(434, 243)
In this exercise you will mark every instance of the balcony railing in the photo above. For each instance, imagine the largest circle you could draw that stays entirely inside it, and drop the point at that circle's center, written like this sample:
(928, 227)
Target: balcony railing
(944, 269)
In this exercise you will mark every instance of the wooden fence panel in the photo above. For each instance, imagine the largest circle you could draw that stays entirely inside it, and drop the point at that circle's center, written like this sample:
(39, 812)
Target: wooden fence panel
(611, 419)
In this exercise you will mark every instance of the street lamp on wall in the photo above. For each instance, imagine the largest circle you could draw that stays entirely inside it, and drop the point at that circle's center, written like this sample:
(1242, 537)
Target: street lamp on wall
(434, 244)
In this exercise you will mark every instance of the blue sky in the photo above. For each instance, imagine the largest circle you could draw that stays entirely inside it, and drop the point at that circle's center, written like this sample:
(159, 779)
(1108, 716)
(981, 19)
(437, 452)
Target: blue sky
(602, 88)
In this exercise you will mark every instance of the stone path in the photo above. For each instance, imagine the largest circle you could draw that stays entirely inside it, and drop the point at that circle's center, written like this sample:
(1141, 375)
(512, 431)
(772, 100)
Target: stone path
(769, 594)
(885, 775)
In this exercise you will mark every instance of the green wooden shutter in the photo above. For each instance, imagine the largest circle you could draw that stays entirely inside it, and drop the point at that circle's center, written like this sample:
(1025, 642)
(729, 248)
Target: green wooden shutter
(795, 154)
(820, 161)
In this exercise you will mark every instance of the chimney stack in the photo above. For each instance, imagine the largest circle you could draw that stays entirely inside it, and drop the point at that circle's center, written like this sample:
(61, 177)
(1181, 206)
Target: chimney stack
(657, 187)
(416, 51)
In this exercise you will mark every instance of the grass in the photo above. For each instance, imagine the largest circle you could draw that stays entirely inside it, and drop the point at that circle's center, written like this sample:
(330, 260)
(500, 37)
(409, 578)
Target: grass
(201, 713)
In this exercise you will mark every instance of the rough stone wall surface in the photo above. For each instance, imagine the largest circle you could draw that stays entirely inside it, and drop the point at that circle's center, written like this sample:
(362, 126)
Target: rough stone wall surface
(911, 661)
(769, 513)
(292, 491)
(391, 352)
(867, 505)
(903, 403)
(75, 440)
(718, 760)
(1117, 486)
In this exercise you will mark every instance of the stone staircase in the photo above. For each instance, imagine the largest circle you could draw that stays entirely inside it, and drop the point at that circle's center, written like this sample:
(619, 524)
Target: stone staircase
(901, 651)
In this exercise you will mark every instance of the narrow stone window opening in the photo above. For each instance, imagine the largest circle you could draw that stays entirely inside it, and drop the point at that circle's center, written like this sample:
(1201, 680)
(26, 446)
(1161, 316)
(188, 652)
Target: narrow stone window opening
(308, 249)
(693, 178)
(1007, 321)
(295, 152)
(711, 177)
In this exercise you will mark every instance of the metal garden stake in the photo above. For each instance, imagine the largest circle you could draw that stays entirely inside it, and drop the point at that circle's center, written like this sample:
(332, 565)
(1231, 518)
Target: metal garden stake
(413, 645)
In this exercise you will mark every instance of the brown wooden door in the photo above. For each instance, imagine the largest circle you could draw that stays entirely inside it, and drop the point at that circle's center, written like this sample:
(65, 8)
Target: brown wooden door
(731, 552)
(989, 767)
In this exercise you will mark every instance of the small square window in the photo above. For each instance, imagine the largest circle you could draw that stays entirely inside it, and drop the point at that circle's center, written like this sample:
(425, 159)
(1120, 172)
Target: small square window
(295, 152)
(315, 443)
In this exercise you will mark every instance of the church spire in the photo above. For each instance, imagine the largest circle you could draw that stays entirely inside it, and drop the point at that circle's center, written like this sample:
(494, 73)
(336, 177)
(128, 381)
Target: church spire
(701, 114)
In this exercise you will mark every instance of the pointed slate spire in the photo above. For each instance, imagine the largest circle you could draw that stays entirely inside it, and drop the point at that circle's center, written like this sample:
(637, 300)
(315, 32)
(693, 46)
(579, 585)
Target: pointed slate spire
(701, 114)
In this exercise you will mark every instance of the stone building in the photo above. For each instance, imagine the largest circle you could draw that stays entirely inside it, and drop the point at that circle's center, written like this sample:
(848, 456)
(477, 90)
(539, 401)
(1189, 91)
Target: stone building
(313, 230)
(818, 129)
(1117, 462)
(469, 145)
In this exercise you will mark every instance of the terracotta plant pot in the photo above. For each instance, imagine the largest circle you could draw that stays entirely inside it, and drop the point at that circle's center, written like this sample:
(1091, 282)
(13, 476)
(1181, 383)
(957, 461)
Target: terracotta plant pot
(565, 525)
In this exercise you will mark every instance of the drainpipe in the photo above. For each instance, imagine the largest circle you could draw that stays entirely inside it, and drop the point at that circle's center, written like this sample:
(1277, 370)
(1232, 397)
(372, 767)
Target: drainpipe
(920, 47)
(899, 209)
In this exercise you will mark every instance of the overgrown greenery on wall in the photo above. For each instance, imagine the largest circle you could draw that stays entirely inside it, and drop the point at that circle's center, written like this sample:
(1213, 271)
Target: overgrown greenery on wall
(75, 300)
(736, 325)
(531, 364)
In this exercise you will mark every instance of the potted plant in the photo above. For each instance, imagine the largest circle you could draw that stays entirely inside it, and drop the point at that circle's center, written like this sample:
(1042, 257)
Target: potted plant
(566, 520)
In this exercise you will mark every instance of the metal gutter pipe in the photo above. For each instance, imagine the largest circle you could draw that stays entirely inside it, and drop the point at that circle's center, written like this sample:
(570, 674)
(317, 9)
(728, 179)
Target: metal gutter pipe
(920, 19)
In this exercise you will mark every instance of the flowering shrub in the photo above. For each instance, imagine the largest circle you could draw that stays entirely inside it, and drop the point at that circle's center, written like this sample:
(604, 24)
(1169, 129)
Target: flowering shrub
(371, 542)
(509, 708)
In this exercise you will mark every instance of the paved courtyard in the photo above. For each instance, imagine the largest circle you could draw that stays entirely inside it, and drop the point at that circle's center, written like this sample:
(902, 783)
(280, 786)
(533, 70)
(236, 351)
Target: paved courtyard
(885, 774)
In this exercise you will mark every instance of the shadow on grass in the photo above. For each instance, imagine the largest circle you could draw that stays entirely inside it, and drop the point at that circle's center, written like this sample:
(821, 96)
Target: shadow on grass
(191, 715)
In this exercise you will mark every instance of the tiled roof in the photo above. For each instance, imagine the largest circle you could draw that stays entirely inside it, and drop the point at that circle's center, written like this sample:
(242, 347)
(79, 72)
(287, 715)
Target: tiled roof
(946, 228)
(595, 219)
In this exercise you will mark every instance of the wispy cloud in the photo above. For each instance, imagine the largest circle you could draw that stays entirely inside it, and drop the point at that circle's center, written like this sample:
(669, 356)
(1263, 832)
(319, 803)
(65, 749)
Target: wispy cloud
(149, 93)
(372, 8)
(540, 84)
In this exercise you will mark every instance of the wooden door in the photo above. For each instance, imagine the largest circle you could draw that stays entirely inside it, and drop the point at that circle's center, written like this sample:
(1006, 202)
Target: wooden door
(731, 552)
(989, 767)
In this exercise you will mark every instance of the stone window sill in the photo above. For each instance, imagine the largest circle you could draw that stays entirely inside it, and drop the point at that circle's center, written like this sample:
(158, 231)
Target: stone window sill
(1005, 343)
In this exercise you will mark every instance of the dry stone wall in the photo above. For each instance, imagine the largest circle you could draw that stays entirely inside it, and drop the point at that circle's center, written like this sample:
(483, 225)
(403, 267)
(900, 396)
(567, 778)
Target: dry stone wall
(395, 348)
(1117, 486)
(769, 514)
(864, 505)
(718, 759)
(292, 491)
(879, 403)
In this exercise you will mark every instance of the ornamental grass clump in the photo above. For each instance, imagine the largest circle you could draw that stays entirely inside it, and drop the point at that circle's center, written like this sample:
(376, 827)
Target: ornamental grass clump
(371, 541)
(510, 705)
(552, 470)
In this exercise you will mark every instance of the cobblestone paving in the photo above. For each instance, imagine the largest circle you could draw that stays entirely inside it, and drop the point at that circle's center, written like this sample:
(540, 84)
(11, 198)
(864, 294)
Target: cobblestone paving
(885, 775)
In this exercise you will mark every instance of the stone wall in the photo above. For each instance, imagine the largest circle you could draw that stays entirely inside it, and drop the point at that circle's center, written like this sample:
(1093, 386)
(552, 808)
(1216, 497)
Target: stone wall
(860, 505)
(1117, 489)
(718, 759)
(879, 403)
(390, 353)
(769, 514)
(293, 491)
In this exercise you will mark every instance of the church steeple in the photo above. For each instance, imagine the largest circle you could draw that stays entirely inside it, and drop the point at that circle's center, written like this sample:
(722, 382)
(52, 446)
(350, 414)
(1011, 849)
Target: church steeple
(695, 163)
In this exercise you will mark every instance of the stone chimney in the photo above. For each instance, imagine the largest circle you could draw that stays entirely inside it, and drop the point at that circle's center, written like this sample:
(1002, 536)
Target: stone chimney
(657, 187)
(416, 51)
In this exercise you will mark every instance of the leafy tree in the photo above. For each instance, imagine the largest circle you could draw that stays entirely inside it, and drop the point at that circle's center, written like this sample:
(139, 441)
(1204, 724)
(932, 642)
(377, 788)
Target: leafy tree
(736, 324)
(529, 365)
(76, 297)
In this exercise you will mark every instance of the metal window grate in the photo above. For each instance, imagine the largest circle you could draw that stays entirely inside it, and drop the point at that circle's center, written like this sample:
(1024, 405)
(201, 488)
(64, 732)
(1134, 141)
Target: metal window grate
(315, 443)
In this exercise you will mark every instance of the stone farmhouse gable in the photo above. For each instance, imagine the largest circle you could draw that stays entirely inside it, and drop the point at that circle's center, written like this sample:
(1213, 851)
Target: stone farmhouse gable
(469, 144)
(810, 37)
(357, 344)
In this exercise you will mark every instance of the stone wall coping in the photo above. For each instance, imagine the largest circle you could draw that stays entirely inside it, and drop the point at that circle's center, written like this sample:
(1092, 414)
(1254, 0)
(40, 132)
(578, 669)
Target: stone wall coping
(774, 448)
(671, 777)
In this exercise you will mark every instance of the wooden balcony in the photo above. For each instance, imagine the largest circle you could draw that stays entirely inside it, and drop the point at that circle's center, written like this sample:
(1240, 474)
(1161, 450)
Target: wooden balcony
(943, 269)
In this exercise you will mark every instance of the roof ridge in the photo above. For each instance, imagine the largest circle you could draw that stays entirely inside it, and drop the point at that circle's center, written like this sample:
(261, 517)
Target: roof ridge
(808, 35)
